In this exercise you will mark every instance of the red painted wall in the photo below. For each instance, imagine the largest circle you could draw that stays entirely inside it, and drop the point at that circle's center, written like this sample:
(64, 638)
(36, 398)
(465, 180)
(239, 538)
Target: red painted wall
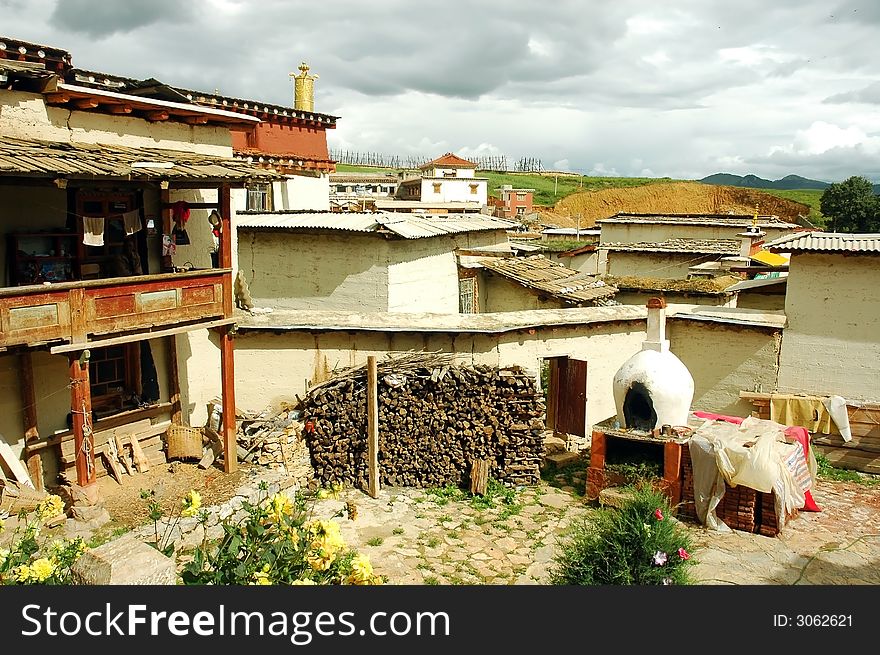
(273, 139)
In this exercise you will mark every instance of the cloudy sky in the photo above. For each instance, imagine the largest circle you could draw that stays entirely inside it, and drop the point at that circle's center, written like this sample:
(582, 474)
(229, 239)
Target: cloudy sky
(679, 88)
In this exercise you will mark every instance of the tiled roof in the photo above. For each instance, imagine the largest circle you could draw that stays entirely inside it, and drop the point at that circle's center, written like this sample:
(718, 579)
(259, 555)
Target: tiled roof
(825, 242)
(539, 273)
(407, 226)
(448, 161)
(700, 246)
(35, 158)
(731, 220)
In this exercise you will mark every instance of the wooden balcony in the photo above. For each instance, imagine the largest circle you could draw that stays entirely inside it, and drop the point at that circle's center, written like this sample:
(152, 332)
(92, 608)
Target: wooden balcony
(74, 314)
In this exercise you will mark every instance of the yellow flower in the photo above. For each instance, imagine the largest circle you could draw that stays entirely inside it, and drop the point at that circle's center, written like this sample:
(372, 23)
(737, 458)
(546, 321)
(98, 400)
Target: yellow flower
(41, 569)
(262, 577)
(304, 581)
(22, 573)
(279, 506)
(361, 570)
(50, 507)
(191, 504)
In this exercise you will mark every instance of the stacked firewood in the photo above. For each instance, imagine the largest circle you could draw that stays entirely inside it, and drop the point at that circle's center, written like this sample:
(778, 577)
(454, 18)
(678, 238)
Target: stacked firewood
(435, 421)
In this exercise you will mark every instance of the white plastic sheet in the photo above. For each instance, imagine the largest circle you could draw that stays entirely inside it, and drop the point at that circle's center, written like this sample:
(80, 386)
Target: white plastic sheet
(836, 406)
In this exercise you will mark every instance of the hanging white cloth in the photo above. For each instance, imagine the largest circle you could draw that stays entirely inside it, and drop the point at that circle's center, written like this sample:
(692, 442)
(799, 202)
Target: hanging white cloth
(93, 230)
(132, 221)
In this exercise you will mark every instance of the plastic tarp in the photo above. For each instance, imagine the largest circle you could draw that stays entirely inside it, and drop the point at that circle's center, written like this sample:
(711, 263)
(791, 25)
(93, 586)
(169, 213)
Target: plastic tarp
(754, 453)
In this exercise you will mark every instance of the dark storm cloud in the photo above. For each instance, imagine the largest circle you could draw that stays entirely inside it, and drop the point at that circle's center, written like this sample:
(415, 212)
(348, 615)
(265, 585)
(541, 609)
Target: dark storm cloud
(101, 18)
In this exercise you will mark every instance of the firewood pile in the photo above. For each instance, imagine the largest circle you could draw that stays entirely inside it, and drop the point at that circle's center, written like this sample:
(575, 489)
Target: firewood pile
(435, 421)
(275, 440)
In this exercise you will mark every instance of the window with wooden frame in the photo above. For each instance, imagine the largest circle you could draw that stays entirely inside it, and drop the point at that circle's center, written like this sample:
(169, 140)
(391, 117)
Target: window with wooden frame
(437, 186)
(119, 379)
(474, 188)
(467, 295)
(259, 197)
(96, 262)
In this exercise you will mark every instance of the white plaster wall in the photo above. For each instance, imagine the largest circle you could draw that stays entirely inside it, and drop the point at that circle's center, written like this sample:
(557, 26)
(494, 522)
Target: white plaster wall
(26, 115)
(503, 295)
(454, 190)
(28, 209)
(318, 271)
(274, 368)
(652, 264)
(770, 301)
(457, 172)
(831, 344)
(302, 192)
(586, 263)
(198, 361)
(724, 360)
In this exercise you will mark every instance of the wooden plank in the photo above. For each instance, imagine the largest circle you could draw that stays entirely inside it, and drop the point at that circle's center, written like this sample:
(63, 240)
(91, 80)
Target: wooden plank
(14, 466)
(29, 417)
(372, 426)
(101, 437)
(140, 336)
(174, 381)
(140, 460)
(143, 436)
(122, 455)
(227, 381)
(112, 465)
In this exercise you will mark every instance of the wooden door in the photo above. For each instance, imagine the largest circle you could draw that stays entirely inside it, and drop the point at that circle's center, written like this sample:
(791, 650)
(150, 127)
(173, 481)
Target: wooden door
(570, 406)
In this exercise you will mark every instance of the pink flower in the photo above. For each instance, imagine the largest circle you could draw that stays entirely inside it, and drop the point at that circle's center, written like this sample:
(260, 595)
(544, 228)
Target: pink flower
(658, 514)
(659, 558)
(682, 553)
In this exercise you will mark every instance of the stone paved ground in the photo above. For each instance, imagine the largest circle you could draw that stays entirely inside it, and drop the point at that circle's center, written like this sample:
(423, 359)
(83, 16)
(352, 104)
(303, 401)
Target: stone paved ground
(418, 536)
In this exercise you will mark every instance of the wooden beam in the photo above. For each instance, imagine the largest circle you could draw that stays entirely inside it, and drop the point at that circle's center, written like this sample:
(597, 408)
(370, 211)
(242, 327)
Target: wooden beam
(195, 120)
(29, 405)
(85, 103)
(174, 381)
(165, 204)
(227, 381)
(140, 336)
(372, 426)
(57, 98)
(119, 109)
(81, 410)
(194, 205)
(156, 115)
(225, 195)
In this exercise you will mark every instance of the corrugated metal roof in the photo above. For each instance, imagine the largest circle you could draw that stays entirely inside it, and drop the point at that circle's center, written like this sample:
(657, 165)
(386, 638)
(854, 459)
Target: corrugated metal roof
(825, 242)
(732, 220)
(32, 157)
(707, 246)
(539, 273)
(408, 226)
(757, 283)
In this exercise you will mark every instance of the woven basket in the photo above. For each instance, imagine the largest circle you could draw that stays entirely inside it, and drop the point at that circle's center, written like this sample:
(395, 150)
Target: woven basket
(184, 442)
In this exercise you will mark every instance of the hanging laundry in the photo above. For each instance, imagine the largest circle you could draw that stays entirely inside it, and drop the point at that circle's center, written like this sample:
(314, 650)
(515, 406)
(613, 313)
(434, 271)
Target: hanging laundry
(807, 411)
(132, 221)
(93, 231)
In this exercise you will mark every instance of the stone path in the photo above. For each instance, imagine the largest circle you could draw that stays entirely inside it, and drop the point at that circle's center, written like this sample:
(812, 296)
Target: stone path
(418, 536)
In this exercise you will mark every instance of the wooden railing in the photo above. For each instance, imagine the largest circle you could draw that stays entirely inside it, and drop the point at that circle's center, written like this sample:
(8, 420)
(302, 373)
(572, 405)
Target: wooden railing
(77, 312)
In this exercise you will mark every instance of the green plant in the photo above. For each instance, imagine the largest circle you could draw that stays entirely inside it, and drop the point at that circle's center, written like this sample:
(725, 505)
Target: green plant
(432, 580)
(828, 471)
(636, 545)
(442, 495)
(276, 542)
(432, 542)
(496, 493)
(375, 541)
(28, 561)
(398, 531)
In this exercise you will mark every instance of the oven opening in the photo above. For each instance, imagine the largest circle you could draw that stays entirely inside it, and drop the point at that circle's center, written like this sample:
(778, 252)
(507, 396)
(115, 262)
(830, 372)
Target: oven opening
(638, 409)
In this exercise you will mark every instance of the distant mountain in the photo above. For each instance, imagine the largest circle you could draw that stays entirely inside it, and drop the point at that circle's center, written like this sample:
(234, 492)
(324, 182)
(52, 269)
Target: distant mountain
(755, 182)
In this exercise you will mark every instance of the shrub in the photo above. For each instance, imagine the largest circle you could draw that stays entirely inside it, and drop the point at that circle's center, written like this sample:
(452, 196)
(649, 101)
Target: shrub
(27, 561)
(636, 545)
(277, 543)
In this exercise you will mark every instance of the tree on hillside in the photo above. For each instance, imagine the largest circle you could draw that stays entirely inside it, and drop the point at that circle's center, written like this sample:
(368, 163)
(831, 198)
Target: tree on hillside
(851, 206)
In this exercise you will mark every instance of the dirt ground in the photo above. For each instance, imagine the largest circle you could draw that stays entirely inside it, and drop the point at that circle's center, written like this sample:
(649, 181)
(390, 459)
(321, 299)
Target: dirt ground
(169, 484)
(675, 197)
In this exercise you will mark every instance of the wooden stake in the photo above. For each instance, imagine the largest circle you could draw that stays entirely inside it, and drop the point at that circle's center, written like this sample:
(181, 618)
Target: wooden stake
(373, 426)
(122, 455)
(174, 381)
(81, 410)
(140, 459)
(29, 404)
(227, 380)
(479, 476)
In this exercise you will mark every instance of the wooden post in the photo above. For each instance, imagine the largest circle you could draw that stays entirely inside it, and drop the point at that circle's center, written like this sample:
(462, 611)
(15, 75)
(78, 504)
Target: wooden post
(29, 405)
(174, 381)
(165, 204)
(479, 476)
(227, 380)
(81, 411)
(373, 426)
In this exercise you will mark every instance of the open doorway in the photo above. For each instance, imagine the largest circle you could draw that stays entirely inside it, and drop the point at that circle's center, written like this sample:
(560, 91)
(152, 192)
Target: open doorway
(564, 382)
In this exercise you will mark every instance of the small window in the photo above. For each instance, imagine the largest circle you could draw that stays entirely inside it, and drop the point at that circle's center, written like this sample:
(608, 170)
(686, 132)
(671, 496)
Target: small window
(259, 197)
(474, 188)
(467, 296)
(520, 196)
(437, 186)
(520, 211)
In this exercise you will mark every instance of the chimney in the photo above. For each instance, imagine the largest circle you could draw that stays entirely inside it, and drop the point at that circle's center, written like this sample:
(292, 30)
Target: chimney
(752, 238)
(304, 89)
(656, 339)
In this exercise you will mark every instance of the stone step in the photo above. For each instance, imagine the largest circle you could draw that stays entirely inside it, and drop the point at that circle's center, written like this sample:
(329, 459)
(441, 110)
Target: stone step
(614, 496)
(560, 460)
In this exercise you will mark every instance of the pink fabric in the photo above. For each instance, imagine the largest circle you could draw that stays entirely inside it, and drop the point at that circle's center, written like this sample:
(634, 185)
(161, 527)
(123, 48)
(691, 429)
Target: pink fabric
(796, 432)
